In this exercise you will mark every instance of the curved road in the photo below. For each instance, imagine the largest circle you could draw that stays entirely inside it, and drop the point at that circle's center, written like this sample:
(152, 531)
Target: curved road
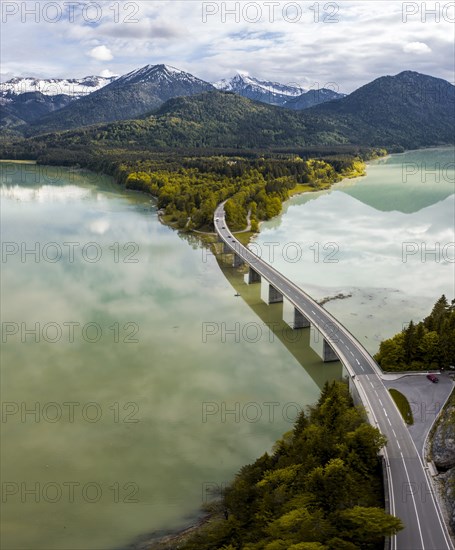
(410, 493)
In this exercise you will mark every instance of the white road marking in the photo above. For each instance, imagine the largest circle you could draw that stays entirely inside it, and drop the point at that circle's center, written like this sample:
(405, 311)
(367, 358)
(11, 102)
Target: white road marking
(414, 502)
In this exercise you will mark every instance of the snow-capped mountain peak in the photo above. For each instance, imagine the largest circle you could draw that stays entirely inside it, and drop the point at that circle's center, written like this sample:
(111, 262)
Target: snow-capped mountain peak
(260, 90)
(157, 73)
(243, 79)
(73, 87)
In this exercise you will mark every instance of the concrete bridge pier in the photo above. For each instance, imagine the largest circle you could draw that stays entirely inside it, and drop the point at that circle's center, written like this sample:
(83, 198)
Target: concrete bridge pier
(328, 355)
(293, 317)
(237, 261)
(252, 276)
(321, 346)
(269, 293)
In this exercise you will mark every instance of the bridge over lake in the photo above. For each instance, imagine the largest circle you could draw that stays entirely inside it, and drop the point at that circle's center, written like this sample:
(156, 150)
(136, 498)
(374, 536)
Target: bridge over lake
(409, 491)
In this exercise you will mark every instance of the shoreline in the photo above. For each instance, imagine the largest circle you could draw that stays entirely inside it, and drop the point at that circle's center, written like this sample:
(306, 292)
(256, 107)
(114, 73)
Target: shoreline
(169, 539)
(179, 536)
(328, 187)
(15, 161)
(324, 187)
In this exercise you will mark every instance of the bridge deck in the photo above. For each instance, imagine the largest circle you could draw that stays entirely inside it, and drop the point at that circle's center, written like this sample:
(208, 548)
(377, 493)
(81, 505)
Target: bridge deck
(410, 491)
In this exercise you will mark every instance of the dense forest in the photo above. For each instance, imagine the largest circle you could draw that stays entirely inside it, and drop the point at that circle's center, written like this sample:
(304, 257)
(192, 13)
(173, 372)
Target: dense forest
(210, 120)
(429, 344)
(319, 489)
(189, 185)
(190, 194)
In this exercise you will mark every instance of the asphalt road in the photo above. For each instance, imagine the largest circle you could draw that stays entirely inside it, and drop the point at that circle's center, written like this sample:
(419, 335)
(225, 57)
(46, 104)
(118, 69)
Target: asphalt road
(410, 493)
(426, 400)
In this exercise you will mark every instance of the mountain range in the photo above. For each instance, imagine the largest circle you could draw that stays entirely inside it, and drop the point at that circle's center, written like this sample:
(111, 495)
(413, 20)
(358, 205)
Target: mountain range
(408, 110)
(290, 96)
(129, 96)
(45, 105)
(73, 87)
(158, 106)
(24, 100)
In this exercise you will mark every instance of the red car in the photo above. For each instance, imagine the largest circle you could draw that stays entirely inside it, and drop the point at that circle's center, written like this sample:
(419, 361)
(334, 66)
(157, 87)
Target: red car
(433, 378)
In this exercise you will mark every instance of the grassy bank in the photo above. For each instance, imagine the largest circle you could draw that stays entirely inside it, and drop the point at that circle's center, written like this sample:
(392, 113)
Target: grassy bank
(403, 405)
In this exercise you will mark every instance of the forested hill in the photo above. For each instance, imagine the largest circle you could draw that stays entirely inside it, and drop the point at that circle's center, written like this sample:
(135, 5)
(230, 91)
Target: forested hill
(429, 344)
(209, 120)
(408, 110)
(320, 489)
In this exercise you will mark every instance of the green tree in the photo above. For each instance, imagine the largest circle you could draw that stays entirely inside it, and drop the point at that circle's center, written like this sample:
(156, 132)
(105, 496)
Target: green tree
(139, 180)
(409, 342)
(367, 526)
(363, 446)
(333, 486)
(429, 347)
(437, 315)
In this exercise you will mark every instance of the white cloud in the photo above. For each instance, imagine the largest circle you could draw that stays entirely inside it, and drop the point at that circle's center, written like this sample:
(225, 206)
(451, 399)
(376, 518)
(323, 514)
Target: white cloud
(369, 40)
(107, 73)
(101, 53)
(418, 48)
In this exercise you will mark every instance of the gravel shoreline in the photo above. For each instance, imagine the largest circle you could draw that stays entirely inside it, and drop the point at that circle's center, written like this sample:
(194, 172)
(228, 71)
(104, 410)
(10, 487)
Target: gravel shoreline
(170, 540)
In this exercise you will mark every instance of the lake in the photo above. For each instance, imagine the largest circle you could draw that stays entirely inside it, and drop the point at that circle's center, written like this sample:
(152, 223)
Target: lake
(385, 241)
(133, 381)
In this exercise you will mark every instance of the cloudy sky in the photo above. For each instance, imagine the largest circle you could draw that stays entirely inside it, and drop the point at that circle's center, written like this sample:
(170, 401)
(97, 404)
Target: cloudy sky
(310, 43)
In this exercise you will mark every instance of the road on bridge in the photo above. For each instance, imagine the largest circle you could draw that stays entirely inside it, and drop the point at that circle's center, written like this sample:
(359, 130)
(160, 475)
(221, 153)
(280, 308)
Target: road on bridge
(410, 490)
